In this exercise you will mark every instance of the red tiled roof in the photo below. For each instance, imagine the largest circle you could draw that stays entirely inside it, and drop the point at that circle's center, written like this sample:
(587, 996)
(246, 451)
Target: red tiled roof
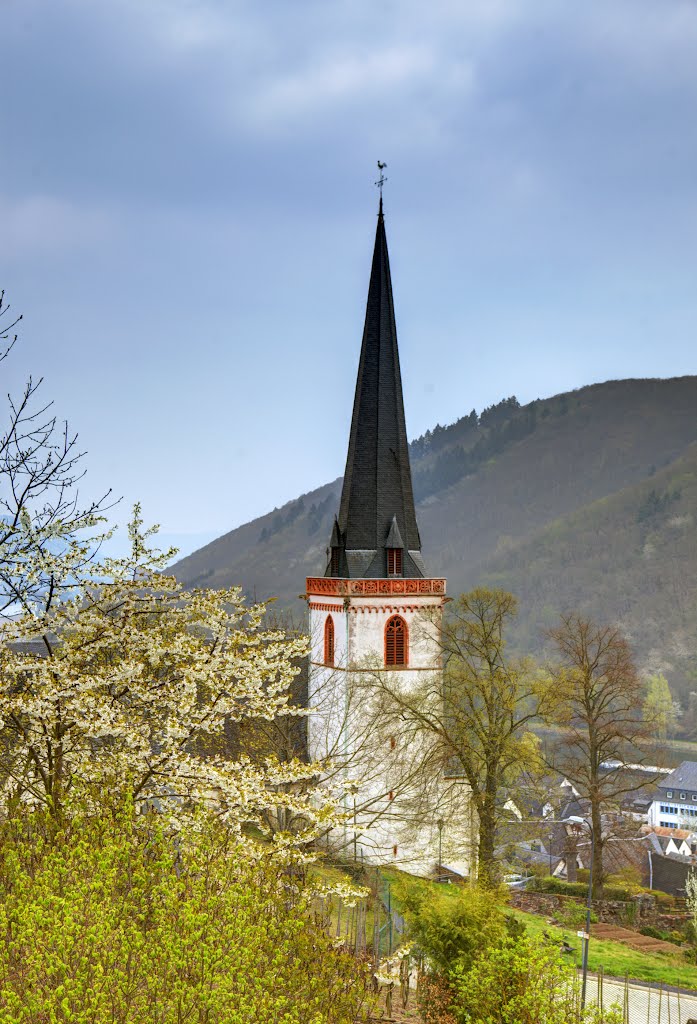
(674, 833)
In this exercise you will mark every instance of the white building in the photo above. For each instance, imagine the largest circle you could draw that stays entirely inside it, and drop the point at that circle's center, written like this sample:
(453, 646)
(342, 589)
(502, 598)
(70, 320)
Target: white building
(675, 802)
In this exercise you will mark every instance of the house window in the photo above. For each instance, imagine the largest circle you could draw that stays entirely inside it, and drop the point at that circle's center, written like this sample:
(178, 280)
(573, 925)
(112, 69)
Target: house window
(334, 563)
(683, 796)
(669, 794)
(391, 795)
(393, 742)
(329, 640)
(394, 561)
(394, 851)
(396, 641)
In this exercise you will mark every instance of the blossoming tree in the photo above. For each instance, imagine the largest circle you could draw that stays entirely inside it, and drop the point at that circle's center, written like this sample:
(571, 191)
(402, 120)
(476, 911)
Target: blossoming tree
(135, 690)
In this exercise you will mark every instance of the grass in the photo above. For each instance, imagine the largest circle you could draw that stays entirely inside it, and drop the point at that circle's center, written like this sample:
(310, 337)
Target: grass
(615, 958)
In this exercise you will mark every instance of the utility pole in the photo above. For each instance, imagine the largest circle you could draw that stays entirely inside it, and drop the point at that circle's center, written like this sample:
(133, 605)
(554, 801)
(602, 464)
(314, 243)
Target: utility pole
(587, 934)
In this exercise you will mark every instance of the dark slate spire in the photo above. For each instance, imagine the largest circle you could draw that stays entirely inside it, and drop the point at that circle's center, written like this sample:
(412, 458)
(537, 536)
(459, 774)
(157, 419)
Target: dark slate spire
(377, 489)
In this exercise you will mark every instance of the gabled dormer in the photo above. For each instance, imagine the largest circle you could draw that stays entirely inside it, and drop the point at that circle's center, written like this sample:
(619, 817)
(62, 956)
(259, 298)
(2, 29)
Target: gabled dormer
(394, 550)
(336, 565)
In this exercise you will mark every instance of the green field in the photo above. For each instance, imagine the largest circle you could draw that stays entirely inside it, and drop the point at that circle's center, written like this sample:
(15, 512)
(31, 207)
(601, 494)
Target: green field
(617, 959)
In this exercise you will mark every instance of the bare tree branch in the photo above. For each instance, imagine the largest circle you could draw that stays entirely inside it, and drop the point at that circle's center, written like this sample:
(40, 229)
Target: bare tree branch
(598, 711)
(41, 516)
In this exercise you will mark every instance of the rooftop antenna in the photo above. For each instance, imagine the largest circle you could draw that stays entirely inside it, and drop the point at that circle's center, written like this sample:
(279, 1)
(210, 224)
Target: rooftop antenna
(382, 179)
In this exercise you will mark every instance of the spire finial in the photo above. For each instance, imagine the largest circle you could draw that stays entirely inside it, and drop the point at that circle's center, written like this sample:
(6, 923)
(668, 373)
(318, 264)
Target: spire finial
(381, 181)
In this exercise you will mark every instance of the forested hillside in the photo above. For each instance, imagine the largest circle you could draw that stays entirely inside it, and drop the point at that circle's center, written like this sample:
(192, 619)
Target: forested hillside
(585, 500)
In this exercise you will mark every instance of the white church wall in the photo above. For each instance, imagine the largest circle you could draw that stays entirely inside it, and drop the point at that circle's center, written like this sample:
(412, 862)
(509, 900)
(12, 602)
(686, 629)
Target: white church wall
(327, 684)
(375, 760)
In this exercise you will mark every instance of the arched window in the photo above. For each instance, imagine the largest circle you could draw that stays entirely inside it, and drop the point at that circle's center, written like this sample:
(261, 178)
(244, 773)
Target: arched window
(396, 641)
(329, 640)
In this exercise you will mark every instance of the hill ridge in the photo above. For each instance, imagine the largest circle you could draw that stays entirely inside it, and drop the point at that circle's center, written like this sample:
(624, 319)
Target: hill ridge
(488, 489)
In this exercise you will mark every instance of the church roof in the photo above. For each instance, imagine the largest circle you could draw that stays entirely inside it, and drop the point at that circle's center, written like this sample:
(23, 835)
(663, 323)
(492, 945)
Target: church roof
(377, 500)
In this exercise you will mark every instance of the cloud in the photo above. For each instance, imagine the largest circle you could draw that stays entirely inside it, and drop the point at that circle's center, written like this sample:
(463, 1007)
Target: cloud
(344, 78)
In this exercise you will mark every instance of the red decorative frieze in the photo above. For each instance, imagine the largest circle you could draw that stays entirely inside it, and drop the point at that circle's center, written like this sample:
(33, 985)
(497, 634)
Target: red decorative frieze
(322, 607)
(383, 609)
(317, 585)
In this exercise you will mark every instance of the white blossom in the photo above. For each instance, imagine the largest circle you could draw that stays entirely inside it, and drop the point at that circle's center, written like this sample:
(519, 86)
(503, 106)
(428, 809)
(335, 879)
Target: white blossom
(134, 693)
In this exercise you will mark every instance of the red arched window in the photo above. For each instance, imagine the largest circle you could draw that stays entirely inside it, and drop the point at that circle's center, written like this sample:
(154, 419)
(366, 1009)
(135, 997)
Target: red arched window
(396, 641)
(329, 640)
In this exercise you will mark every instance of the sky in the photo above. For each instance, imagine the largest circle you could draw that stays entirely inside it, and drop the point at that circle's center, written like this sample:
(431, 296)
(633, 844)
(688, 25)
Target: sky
(187, 215)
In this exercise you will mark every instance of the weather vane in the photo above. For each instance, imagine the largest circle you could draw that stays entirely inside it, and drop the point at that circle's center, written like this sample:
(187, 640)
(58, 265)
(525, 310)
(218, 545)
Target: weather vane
(382, 179)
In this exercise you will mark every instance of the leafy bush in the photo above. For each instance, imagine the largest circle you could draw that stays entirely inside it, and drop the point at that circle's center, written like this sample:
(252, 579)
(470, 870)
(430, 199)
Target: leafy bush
(673, 936)
(556, 885)
(574, 915)
(616, 892)
(522, 982)
(454, 925)
(664, 900)
(111, 921)
(628, 878)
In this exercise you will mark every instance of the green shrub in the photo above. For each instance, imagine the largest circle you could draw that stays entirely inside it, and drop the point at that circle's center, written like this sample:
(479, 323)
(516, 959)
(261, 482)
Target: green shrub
(515, 928)
(111, 922)
(664, 900)
(451, 926)
(616, 892)
(523, 982)
(574, 915)
(627, 878)
(556, 885)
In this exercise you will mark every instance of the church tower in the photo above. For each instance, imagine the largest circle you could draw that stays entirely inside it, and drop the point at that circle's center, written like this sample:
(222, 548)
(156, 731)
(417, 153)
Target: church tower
(375, 610)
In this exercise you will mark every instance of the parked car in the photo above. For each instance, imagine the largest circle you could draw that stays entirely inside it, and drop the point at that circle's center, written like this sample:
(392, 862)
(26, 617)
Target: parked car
(516, 881)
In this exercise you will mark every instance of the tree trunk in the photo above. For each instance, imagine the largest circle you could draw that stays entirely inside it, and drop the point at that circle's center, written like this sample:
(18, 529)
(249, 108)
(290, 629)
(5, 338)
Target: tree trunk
(487, 870)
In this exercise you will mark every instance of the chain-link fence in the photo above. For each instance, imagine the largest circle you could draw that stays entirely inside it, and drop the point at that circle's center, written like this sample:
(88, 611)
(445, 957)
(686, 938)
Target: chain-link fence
(372, 928)
(371, 924)
(643, 1003)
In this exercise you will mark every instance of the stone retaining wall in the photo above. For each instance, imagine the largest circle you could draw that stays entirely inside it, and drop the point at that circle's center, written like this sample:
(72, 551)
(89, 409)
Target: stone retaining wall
(633, 913)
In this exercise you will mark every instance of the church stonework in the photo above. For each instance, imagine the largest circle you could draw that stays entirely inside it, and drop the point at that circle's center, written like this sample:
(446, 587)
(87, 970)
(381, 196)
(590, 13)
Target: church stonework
(377, 611)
